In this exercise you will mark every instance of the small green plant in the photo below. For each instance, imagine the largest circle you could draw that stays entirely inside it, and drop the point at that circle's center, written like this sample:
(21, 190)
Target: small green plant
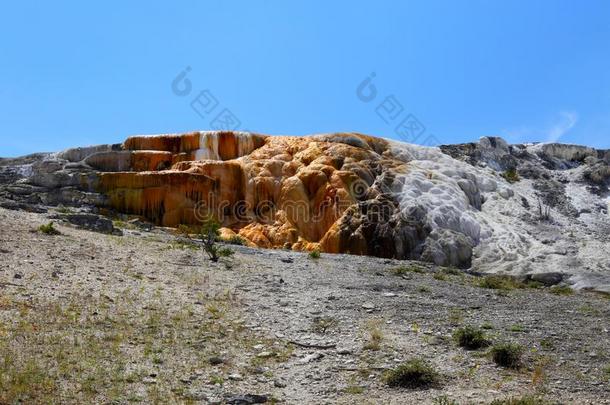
(607, 372)
(456, 316)
(415, 373)
(314, 254)
(507, 354)
(354, 389)
(444, 400)
(236, 240)
(423, 289)
(547, 344)
(500, 282)
(511, 175)
(440, 276)
(323, 324)
(544, 211)
(561, 290)
(517, 328)
(487, 325)
(375, 336)
(451, 271)
(525, 400)
(216, 380)
(49, 229)
(209, 235)
(402, 270)
(471, 338)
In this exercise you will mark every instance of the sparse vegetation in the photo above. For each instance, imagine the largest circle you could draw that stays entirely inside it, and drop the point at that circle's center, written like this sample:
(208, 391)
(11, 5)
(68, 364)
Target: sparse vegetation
(511, 175)
(517, 328)
(354, 389)
(451, 271)
(471, 338)
(402, 270)
(423, 289)
(185, 230)
(415, 373)
(82, 350)
(456, 316)
(374, 336)
(547, 344)
(236, 240)
(607, 372)
(544, 211)
(507, 354)
(209, 236)
(49, 229)
(561, 290)
(500, 282)
(525, 400)
(314, 254)
(440, 276)
(323, 324)
(444, 400)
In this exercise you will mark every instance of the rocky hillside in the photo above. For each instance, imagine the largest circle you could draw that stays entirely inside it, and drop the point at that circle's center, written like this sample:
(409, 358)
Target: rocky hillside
(146, 317)
(537, 211)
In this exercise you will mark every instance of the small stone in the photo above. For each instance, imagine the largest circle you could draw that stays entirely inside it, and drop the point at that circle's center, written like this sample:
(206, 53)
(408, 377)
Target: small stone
(17, 276)
(311, 357)
(389, 294)
(264, 355)
(279, 384)
(344, 351)
(235, 377)
(149, 380)
(368, 305)
(215, 360)
(247, 399)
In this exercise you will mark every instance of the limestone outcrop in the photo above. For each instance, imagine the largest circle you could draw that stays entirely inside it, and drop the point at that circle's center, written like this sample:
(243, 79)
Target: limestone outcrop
(346, 193)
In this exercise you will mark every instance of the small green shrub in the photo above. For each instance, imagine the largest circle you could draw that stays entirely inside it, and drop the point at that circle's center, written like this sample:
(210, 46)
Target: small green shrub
(452, 271)
(415, 373)
(354, 390)
(314, 254)
(402, 270)
(209, 234)
(607, 371)
(375, 337)
(444, 400)
(471, 338)
(49, 229)
(236, 240)
(440, 276)
(517, 328)
(561, 290)
(323, 324)
(547, 344)
(500, 282)
(525, 400)
(511, 175)
(507, 355)
(456, 316)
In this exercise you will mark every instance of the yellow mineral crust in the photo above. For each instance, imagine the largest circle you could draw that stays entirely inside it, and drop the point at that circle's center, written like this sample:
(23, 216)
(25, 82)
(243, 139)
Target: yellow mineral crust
(274, 191)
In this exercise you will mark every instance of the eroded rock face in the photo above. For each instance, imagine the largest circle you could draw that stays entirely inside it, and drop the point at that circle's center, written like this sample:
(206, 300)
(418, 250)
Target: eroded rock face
(346, 193)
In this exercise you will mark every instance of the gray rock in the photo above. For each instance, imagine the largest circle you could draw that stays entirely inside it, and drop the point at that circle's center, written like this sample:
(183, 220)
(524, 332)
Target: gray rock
(548, 279)
(247, 399)
(90, 222)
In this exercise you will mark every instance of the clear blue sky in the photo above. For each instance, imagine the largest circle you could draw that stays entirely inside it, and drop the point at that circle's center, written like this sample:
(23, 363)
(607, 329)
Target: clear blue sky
(79, 73)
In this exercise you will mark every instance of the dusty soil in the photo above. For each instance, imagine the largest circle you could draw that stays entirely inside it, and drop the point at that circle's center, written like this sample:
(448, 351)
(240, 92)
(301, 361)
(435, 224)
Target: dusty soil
(146, 317)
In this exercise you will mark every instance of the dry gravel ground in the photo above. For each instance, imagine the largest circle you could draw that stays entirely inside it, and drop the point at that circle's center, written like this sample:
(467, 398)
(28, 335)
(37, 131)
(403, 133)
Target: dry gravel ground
(145, 317)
